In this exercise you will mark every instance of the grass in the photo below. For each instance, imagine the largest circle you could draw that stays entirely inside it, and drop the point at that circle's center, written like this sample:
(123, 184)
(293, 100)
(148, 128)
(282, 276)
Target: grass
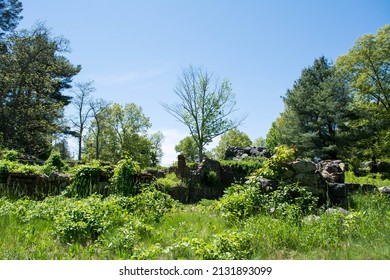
(372, 179)
(34, 230)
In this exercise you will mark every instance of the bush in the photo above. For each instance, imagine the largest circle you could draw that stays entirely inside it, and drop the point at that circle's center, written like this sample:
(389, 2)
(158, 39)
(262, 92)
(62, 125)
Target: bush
(240, 202)
(246, 166)
(86, 180)
(124, 181)
(151, 205)
(11, 155)
(85, 220)
(168, 182)
(274, 168)
(54, 163)
(292, 200)
(6, 166)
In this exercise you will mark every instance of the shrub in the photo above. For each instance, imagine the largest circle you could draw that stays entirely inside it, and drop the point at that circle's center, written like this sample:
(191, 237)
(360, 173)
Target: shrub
(211, 179)
(86, 180)
(240, 202)
(6, 166)
(151, 205)
(246, 166)
(11, 155)
(124, 180)
(274, 167)
(292, 200)
(54, 163)
(86, 219)
(168, 182)
(227, 246)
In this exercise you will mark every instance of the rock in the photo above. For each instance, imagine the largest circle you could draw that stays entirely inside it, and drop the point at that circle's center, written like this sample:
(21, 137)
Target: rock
(331, 211)
(311, 219)
(332, 171)
(308, 179)
(254, 152)
(337, 190)
(385, 190)
(338, 194)
(244, 156)
(237, 153)
(304, 166)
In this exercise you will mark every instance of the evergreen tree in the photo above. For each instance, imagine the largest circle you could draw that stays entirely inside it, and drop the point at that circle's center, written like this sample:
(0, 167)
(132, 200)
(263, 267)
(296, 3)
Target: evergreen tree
(33, 75)
(316, 111)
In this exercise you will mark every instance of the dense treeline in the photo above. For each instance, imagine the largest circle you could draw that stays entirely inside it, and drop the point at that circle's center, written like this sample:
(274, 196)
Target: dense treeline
(339, 110)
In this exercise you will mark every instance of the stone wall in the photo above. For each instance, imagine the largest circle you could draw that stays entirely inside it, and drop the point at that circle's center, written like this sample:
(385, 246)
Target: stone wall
(38, 186)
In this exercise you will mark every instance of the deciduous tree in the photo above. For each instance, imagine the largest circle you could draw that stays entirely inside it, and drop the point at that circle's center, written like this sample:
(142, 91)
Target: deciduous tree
(232, 138)
(82, 103)
(205, 106)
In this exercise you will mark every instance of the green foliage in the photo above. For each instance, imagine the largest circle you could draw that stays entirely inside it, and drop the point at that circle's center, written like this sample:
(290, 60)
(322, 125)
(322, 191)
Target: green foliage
(246, 166)
(292, 200)
(5, 166)
(156, 151)
(232, 138)
(121, 132)
(211, 178)
(372, 179)
(11, 155)
(205, 106)
(240, 202)
(168, 182)
(188, 148)
(124, 180)
(54, 163)
(275, 167)
(112, 228)
(83, 221)
(150, 205)
(225, 246)
(85, 182)
(33, 75)
(9, 15)
(317, 109)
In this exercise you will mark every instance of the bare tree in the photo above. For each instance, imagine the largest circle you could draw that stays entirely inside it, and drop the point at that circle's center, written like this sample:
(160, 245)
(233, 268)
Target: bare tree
(205, 106)
(82, 101)
(98, 107)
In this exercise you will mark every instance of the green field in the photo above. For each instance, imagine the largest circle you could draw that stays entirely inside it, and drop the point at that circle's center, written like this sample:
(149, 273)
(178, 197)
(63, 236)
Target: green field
(151, 225)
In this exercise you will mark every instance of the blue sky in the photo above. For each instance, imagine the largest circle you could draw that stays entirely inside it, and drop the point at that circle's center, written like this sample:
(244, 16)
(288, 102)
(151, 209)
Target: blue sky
(135, 50)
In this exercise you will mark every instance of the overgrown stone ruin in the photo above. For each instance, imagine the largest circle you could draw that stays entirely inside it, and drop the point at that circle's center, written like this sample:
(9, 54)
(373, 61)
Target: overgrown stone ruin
(238, 153)
(38, 186)
(209, 179)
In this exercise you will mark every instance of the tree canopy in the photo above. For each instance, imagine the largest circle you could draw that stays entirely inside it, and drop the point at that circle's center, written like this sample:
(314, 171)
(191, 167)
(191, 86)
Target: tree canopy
(9, 15)
(205, 106)
(232, 138)
(188, 148)
(33, 76)
(366, 68)
(316, 111)
(122, 133)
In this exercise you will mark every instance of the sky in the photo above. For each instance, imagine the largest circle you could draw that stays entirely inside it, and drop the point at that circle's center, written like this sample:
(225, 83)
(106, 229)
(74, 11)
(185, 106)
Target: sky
(134, 51)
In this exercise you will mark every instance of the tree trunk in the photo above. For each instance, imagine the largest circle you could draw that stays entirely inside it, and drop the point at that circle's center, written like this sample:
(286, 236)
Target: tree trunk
(200, 152)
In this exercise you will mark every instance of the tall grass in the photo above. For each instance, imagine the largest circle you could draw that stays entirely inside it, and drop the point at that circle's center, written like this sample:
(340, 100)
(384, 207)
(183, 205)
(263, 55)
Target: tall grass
(32, 230)
(373, 179)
